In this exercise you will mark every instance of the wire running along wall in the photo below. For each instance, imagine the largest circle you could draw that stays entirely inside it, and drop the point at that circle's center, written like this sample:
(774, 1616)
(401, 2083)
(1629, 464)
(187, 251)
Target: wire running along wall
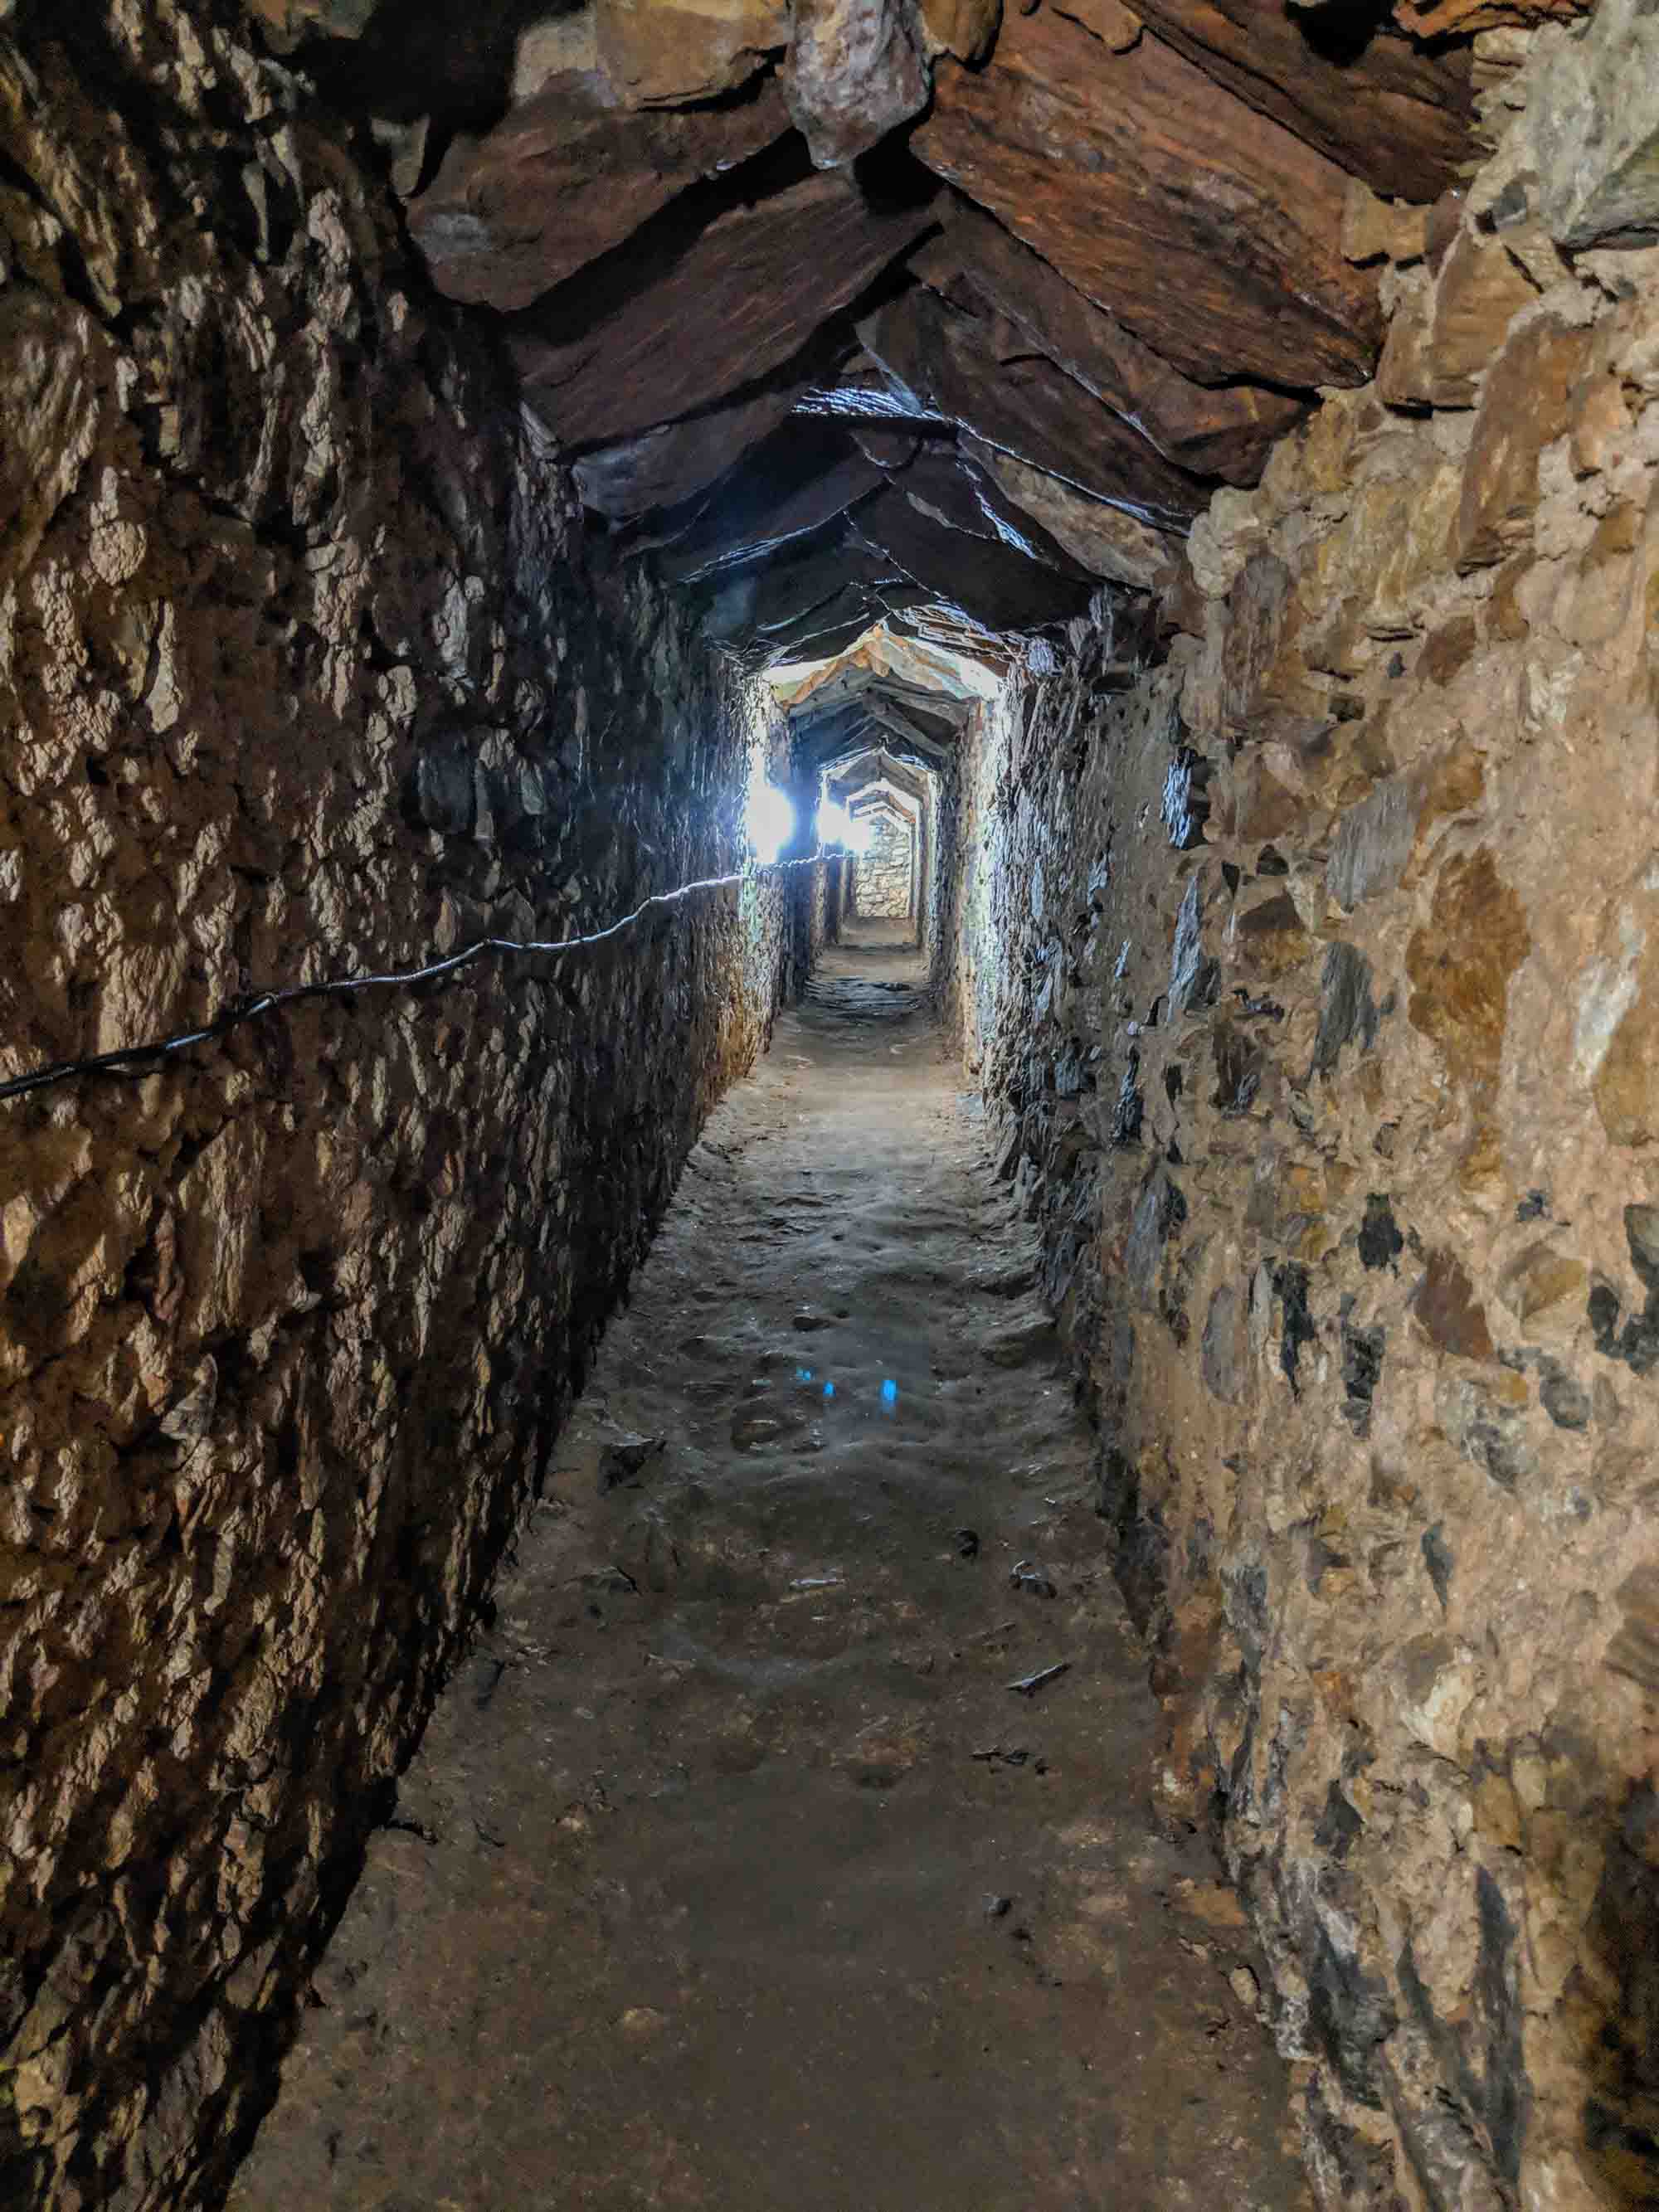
(136, 1060)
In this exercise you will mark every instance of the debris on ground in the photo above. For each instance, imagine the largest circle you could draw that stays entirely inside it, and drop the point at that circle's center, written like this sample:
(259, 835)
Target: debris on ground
(625, 1458)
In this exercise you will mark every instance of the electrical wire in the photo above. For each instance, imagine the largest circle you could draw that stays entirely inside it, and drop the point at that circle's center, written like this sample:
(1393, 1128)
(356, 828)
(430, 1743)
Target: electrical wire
(134, 1059)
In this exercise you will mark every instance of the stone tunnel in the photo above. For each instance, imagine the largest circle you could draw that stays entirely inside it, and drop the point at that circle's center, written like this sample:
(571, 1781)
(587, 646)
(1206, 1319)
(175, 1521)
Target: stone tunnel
(829, 1105)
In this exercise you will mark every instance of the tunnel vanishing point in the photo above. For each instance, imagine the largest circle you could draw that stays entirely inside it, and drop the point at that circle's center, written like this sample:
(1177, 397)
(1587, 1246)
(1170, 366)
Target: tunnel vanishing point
(971, 1516)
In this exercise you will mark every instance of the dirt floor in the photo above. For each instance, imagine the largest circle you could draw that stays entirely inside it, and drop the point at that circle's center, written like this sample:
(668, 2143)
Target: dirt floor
(750, 1862)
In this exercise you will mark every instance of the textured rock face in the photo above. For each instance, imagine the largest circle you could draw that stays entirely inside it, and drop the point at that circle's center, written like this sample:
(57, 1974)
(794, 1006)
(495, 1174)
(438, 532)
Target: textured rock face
(1226, 433)
(563, 179)
(990, 581)
(1104, 538)
(882, 877)
(1312, 978)
(672, 463)
(855, 70)
(752, 288)
(300, 673)
(1132, 287)
(1128, 171)
(1378, 105)
(1592, 128)
(287, 22)
(979, 371)
(1429, 19)
(655, 54)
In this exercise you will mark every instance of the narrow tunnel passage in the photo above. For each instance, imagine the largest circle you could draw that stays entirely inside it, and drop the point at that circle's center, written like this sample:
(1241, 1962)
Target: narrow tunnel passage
(735, 1871)
(549, 552)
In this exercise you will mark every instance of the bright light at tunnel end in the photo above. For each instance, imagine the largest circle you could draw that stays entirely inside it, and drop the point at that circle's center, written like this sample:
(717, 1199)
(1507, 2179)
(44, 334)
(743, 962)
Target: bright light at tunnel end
(837, 827)
(768, 821)
(770, 824)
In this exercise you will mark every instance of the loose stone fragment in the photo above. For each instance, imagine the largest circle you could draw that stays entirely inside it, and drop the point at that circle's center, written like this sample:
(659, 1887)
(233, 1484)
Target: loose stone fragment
(626, 1458)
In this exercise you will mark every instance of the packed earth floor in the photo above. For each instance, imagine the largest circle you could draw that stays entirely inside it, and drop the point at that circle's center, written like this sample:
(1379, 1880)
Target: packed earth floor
(750, 1861)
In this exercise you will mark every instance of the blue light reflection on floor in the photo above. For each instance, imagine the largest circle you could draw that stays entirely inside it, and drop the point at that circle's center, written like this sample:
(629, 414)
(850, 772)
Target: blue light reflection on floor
(890, 1389)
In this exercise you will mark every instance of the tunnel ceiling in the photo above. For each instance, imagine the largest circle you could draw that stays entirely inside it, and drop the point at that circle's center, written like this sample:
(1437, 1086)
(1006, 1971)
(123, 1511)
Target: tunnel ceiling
(872, 766)
(905, 312)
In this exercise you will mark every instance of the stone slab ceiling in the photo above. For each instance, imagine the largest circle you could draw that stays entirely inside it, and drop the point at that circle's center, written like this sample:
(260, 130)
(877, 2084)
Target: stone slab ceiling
(913, 312)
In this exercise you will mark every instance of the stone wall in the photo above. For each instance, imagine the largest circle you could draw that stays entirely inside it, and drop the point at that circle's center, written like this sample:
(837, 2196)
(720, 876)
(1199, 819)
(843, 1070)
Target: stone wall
(299, 672)
(1314, 981)
(813, 918)
(935, 867)
(881, 878)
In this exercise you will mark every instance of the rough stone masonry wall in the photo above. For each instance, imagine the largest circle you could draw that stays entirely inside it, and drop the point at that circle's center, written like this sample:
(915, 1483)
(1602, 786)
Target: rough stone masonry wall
(935, 866)
(881, 876)
(1316, 982)
(299, 672)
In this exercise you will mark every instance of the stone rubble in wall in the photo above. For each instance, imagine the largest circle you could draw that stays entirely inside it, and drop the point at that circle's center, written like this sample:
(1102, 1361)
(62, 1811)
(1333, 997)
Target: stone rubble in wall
(882, 876)
(1314, 984)
(300, 673)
